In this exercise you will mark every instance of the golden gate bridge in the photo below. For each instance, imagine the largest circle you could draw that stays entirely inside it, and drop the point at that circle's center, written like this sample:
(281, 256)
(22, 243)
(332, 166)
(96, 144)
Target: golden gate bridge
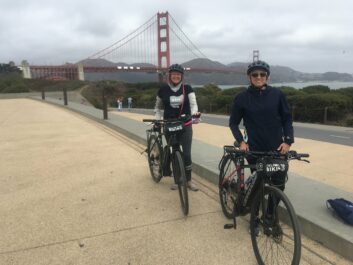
(151, 48)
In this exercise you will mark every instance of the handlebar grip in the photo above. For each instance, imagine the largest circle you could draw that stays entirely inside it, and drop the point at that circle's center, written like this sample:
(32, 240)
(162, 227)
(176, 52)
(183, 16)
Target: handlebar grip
(303, 155)
(148, 120)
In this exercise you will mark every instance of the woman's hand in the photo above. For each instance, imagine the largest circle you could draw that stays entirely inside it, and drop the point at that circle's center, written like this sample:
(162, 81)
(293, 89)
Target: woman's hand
(196, 114)
(244, 146)
(196, 117)
(283, 148)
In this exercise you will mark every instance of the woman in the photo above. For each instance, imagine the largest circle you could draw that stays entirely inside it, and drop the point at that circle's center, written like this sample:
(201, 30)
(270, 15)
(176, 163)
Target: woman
(177, 98)
(265, 112)
(266, 118)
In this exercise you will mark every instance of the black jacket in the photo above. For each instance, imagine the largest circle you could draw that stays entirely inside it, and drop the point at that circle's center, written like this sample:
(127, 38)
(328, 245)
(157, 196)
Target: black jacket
(266, 117)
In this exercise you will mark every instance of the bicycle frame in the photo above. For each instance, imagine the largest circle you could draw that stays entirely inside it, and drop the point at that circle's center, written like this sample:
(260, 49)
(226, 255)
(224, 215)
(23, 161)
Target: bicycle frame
(246, 196)
(172, 142)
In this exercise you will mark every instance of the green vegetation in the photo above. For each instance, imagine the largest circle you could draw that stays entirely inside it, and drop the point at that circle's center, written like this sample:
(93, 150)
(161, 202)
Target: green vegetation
(315, 104)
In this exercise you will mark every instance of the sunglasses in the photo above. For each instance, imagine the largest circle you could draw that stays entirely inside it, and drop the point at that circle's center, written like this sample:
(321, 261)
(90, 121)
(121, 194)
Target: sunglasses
(262, 74)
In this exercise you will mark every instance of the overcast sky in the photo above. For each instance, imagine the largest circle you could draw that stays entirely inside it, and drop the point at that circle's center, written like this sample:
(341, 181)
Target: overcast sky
(308, 36)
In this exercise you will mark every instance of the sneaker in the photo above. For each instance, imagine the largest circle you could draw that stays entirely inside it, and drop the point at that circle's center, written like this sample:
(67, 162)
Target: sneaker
(174, 186)
(192, 186)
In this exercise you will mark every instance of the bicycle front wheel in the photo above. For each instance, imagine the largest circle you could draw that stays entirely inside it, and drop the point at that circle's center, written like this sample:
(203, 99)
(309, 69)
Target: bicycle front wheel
(228, 178)
(155, 157)
(180, 179)
(275, 233)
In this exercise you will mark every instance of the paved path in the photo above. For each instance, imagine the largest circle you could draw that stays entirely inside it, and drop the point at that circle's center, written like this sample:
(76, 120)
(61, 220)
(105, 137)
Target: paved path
(69, 196)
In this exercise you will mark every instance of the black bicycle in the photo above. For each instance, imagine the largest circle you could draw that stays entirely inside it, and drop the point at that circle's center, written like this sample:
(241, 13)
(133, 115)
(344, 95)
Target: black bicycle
(274, 228)
(159, 158)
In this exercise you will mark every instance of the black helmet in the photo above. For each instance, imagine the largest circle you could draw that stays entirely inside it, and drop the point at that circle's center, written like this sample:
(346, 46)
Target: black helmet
(176, 68)
(258, 65)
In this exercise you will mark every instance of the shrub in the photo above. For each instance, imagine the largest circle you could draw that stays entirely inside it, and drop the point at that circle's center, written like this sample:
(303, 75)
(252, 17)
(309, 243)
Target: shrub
(316, 89)
(311, 107)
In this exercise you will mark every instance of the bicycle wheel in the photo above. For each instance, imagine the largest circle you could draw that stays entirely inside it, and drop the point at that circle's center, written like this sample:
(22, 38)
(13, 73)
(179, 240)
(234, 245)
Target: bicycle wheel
(155, 157)
(180, 178)
(275, 233)
(228, 178)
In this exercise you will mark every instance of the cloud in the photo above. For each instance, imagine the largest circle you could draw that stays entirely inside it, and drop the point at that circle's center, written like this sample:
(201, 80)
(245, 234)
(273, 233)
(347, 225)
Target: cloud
(312, 36)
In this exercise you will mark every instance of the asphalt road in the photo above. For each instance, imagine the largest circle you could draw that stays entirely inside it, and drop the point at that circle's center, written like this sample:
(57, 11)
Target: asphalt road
(324, 133)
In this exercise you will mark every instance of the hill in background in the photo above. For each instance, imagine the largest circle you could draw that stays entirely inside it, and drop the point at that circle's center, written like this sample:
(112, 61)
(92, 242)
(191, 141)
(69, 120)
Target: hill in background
(279, 74)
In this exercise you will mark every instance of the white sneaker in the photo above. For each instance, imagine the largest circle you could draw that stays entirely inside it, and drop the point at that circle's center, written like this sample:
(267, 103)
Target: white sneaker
(192, 186)
(174, 186)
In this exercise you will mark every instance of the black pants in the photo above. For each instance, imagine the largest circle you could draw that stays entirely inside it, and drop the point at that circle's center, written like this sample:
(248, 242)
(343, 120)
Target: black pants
(185, 139)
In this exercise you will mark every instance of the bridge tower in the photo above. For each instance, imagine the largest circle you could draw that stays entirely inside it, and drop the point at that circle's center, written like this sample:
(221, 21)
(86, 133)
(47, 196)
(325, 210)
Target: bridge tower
(255, 55)
(163, 42)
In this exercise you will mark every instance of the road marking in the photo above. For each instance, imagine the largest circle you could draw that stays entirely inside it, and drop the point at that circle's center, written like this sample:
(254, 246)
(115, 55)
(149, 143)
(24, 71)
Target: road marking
(339, 136)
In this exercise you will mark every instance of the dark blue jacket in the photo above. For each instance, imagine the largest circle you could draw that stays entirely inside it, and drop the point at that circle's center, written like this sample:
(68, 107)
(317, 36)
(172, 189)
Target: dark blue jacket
(266, 117)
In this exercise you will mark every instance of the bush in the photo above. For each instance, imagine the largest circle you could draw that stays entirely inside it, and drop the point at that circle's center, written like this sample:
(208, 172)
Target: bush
(349, 122)
(311, 108)
(290, 91)
(316, 89)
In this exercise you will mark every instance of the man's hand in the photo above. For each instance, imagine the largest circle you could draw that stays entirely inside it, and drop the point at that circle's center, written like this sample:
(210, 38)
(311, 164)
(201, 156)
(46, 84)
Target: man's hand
(283, 148)
(244, 146)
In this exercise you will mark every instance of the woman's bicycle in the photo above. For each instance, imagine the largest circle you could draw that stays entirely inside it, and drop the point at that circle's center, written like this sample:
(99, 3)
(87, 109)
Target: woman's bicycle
(274, 228)
(159, 158)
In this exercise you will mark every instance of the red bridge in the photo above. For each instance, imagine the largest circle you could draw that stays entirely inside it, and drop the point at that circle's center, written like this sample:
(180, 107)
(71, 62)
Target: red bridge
(151, 48)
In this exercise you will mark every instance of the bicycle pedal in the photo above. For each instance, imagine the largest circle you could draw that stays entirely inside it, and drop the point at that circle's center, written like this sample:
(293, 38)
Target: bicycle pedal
(228, 226)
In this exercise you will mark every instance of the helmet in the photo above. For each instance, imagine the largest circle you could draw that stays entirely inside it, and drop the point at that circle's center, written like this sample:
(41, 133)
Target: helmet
(176, 68)
(258, 65)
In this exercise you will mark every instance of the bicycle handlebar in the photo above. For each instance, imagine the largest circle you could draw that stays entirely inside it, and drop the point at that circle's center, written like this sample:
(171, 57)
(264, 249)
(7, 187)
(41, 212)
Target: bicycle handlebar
(183, 118)
(289, 156)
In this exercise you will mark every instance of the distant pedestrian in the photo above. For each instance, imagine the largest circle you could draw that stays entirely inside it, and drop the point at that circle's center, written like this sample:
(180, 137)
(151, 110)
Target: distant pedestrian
(129, 102)
(119, 102)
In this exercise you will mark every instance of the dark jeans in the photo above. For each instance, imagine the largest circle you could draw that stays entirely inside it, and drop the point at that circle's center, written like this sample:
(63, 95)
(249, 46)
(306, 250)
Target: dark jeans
(185, 139)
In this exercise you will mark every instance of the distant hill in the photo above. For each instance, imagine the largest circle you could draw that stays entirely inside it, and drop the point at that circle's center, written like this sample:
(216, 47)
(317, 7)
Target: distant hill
(279, 74)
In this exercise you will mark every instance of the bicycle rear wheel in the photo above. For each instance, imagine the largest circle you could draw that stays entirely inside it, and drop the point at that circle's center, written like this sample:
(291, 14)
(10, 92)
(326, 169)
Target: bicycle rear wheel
(275, 233)
(180, 179)
(228, 178)
(155, 157)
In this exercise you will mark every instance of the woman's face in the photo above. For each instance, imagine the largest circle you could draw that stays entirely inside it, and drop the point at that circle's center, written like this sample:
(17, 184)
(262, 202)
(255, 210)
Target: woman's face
(258, 78)
(175, 77)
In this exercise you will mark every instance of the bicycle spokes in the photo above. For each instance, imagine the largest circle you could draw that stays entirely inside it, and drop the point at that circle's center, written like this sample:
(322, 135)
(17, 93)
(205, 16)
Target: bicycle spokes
(275, 231)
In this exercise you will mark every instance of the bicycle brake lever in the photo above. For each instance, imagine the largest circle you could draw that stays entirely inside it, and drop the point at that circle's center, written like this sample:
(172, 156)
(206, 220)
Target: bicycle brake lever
(307, 161)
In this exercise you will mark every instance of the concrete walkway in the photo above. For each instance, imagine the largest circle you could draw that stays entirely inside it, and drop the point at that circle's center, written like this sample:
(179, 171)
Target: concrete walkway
(76, 192)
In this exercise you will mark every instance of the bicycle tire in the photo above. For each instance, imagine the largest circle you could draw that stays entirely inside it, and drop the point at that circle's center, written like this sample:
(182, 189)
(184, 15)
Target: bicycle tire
(227, 188)
(155, 158)
(180, 179)
(272, 233)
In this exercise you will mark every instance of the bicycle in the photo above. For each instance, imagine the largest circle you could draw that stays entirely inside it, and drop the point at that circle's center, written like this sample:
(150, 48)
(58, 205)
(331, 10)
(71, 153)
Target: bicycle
(274, 228)
(159, 158)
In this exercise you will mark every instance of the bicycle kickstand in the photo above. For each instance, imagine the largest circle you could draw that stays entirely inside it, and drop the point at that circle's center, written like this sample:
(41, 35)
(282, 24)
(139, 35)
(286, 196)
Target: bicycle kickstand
(233, 225)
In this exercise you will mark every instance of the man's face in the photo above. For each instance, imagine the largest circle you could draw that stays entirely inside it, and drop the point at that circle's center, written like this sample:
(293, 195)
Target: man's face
(175, 77)
(258, 78)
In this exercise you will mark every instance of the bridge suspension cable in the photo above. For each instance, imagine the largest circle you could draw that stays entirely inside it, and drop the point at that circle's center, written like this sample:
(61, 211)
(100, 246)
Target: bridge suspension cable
(141, 45)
